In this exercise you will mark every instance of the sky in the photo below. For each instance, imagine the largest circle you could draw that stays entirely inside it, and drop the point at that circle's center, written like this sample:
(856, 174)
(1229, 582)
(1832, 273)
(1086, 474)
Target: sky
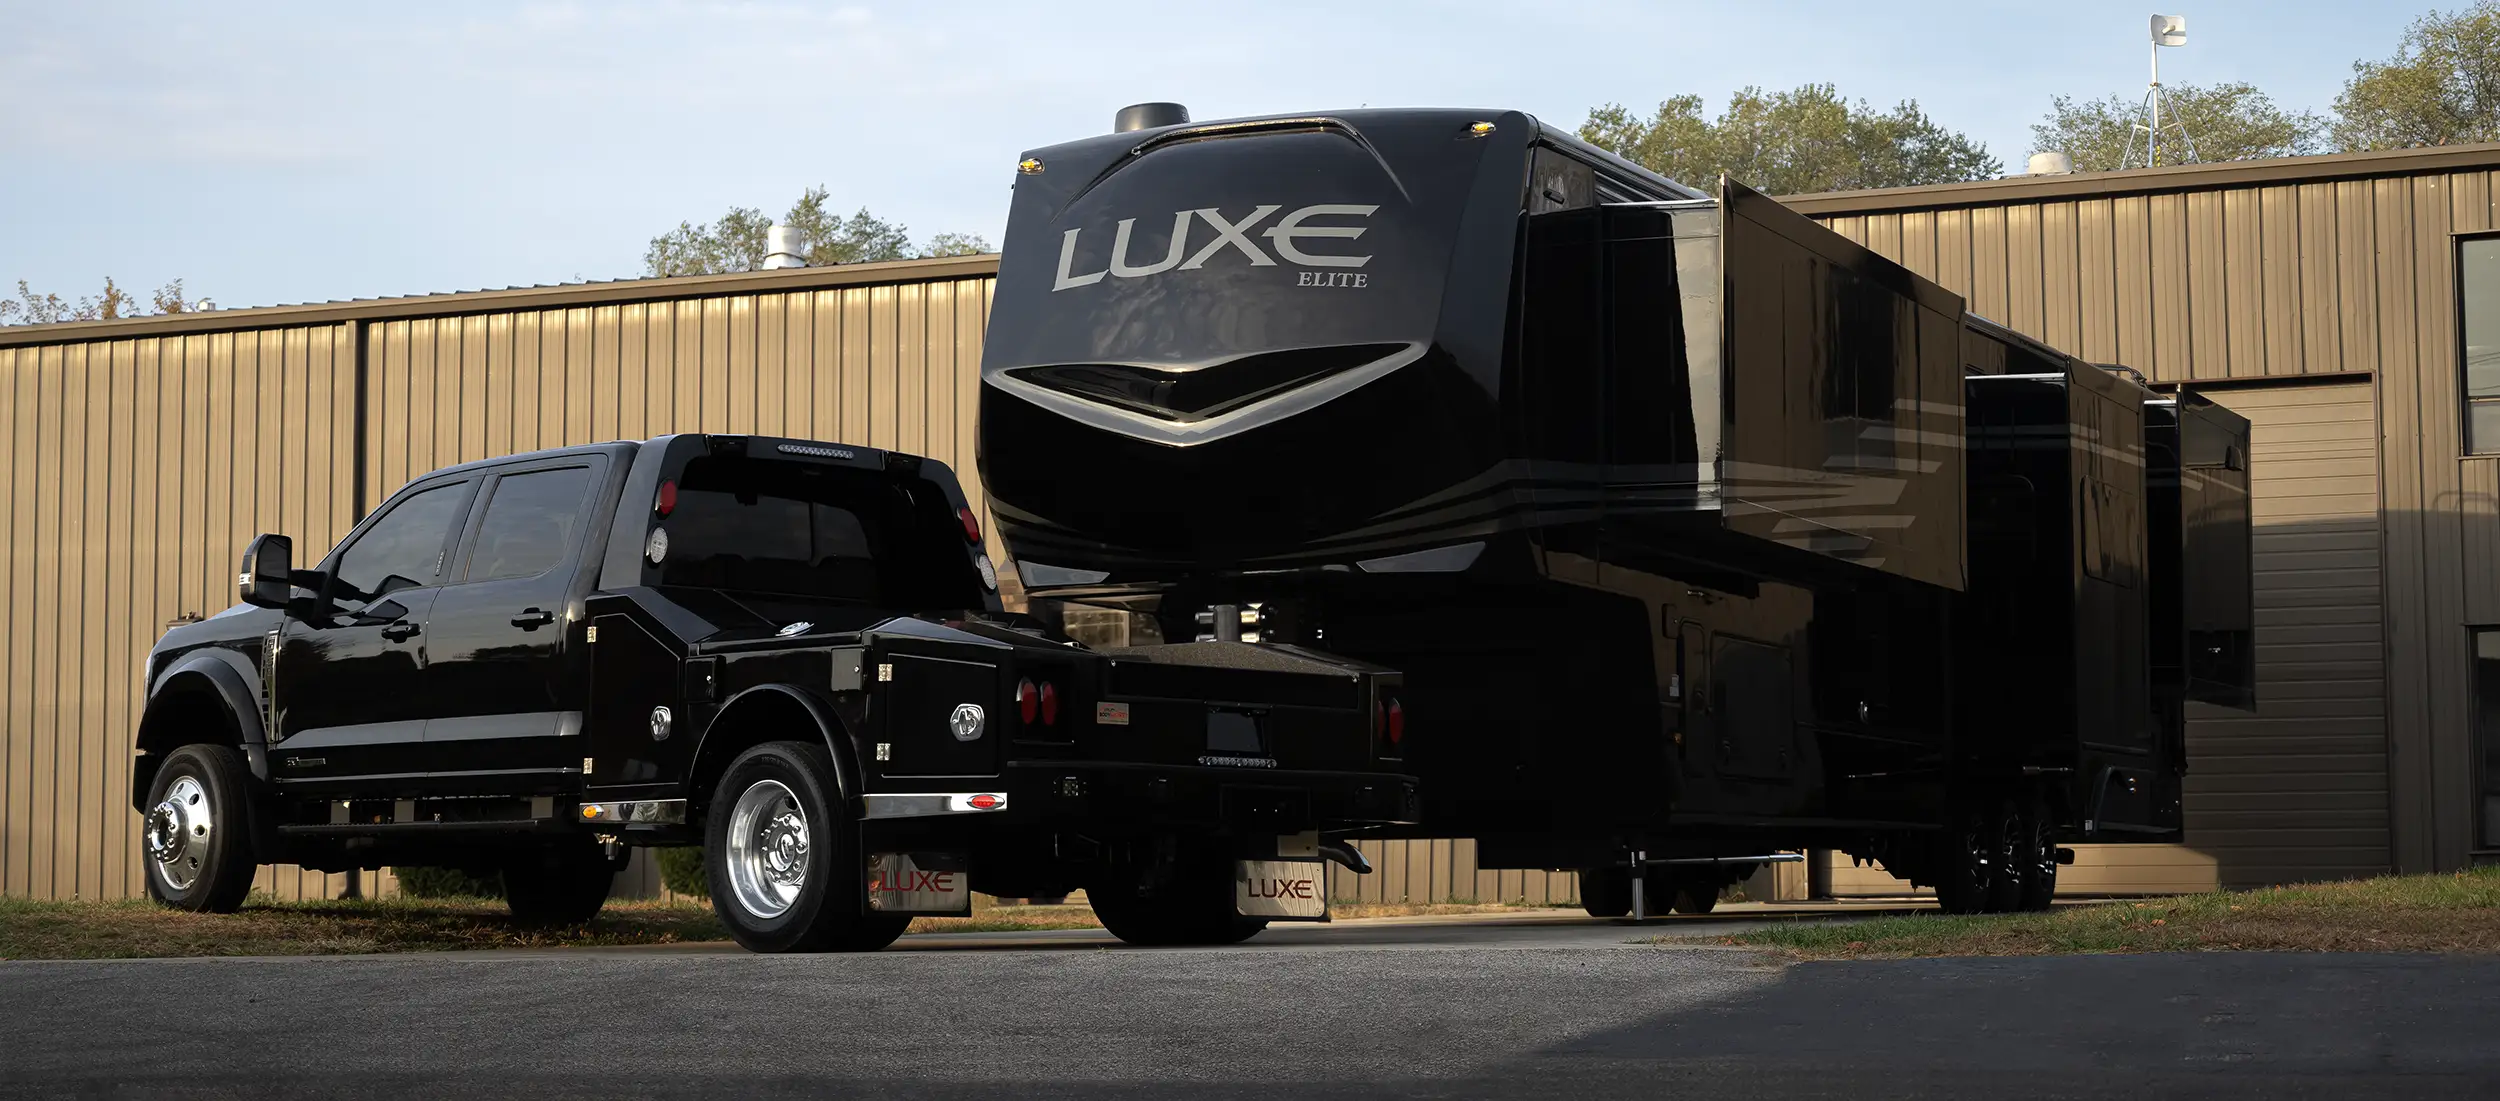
(280, 153)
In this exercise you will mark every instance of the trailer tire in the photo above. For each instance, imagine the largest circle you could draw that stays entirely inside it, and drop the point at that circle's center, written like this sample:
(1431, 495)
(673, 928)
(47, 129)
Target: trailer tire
(196, 838)
(557, 886)
(1696, 898)
(782, 856)
(1965, 849)
(1193, 905)
(2011, 828)
(2036, 868)
(1606, 892)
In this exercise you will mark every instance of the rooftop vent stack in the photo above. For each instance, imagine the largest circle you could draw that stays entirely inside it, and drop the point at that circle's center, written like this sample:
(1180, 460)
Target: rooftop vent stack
(1148, 116)
(2050, 164)
(784, 247)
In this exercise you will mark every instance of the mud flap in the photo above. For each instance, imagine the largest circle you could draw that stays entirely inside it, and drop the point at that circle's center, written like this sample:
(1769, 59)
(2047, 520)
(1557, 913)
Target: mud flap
(1281, 890)
(920, 883)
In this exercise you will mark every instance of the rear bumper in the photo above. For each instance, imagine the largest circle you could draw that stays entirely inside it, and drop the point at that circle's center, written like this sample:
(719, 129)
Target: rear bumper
(1123, 797)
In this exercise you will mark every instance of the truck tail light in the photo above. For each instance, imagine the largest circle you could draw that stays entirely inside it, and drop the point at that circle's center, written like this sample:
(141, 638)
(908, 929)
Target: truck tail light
(1392, 722)
(666, 500)
(1028, 700)
(1050, 704)
(972, 524)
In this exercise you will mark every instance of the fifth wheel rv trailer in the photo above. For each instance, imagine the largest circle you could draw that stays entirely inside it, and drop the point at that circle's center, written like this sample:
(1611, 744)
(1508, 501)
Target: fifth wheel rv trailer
(1699, 532)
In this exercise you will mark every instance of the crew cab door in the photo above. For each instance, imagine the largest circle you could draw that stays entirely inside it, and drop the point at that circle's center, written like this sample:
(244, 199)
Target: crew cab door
(504, 711)
(348, 686)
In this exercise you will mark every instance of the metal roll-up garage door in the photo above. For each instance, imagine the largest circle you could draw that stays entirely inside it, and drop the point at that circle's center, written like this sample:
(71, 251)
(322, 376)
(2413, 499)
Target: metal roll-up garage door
(2298, 790)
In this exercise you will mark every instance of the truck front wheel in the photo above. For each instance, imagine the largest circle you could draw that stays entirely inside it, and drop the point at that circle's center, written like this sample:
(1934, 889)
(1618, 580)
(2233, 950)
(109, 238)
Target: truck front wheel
(197, 836)
(784, 863)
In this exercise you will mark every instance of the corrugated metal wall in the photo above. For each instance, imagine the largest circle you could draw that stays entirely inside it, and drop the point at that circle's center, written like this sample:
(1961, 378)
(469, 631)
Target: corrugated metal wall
(136, 469)
(891, 366)
(2252, 283)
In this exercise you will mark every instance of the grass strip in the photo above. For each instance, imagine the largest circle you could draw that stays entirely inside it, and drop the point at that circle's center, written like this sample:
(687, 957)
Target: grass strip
(2453, 912)
(52, 930)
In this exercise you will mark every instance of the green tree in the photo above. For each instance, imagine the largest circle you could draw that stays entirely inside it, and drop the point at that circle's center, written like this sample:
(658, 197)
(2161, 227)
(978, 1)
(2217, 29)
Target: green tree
(30, 308)
(736, 240)
(2226, 122)
(2441, 88)
(1805, 140)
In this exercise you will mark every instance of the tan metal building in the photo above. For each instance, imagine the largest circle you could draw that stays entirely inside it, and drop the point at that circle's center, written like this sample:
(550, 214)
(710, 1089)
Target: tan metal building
(2318, 296)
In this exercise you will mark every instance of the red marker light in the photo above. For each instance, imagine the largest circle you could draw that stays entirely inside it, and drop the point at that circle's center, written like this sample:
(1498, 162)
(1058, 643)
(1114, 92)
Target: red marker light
(1028, 701)
(983, 802)
(972, 524)
(1395, 722)
(1050, 704)
(666, 502)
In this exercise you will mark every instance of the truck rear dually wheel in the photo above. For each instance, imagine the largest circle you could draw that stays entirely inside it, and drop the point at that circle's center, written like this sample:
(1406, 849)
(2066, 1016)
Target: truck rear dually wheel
(784, 862)
(197, 834)
(1193, 903)
(558, 886)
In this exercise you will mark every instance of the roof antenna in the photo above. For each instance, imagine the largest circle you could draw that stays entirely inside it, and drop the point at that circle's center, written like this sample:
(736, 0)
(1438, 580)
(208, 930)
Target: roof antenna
(2168, 30)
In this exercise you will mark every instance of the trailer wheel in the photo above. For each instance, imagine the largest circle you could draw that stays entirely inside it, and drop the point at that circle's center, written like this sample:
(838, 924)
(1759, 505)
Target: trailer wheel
(561, 885)
(1191, 904)
(1696, 898)
(782, 858)
(197, 836)
(2036, 868)
(1606, 892)
(2012, 829)
(1966, 850)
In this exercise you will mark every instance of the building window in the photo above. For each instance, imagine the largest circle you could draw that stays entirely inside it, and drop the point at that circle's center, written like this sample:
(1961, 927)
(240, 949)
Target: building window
(2487, 739)
(2478, 326)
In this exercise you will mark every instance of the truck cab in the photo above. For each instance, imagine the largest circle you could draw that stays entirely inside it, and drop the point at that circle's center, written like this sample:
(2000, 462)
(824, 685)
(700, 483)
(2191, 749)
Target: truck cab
(790, 652)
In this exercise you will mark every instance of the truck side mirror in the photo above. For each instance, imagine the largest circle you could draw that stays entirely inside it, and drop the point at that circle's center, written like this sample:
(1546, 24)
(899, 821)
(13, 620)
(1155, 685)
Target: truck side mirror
(267, 577)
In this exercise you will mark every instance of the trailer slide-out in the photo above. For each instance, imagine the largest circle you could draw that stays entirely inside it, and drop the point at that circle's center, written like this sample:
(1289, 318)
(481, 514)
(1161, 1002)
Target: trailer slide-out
(1698, 531)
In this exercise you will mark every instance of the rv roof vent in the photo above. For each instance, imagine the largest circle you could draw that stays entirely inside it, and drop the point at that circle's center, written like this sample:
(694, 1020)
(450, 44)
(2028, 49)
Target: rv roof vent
(1148, 116)
(2050, 164)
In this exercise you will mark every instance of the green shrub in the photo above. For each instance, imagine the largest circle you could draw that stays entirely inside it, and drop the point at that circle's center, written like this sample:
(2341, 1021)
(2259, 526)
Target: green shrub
(422, 882)
(681, 870)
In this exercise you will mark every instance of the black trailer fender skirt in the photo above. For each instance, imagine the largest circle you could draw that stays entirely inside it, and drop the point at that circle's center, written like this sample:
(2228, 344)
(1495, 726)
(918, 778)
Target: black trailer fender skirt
(829, 728)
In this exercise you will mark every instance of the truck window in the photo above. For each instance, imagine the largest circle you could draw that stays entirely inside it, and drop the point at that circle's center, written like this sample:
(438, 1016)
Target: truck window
(531, 522)
(404, 549)
(811, 530)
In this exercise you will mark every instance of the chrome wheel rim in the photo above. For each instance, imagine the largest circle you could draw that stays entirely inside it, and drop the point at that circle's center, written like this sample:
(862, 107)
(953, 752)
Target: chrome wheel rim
(768, 847)
(179, 829)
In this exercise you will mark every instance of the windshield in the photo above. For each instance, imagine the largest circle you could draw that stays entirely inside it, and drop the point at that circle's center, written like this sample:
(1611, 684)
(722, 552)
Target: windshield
(816, 531)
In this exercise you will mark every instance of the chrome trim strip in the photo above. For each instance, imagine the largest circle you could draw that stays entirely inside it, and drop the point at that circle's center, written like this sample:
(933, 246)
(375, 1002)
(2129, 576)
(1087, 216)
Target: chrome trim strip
(636, 812)
(926, 805)
(1192, 433)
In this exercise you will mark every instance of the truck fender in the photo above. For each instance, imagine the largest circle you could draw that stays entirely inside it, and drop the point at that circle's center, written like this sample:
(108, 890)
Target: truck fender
(829, 728)
(234, 684)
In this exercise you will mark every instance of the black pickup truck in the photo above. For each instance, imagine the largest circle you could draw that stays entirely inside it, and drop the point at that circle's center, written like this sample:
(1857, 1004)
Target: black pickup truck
(789, 652)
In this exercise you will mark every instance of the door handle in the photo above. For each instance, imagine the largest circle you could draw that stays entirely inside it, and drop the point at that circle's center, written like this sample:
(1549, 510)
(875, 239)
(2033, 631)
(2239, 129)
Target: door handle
(400, 631)
(532, 619)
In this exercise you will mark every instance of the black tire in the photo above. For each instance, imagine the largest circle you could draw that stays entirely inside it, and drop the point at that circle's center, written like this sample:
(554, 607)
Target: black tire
(1193, 904)
(2010, 826)
(1696, 898)
(1965, 854)
(2037, 870)
(196, 837)
(805, 887)
(1606, 892)
(557, 886)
